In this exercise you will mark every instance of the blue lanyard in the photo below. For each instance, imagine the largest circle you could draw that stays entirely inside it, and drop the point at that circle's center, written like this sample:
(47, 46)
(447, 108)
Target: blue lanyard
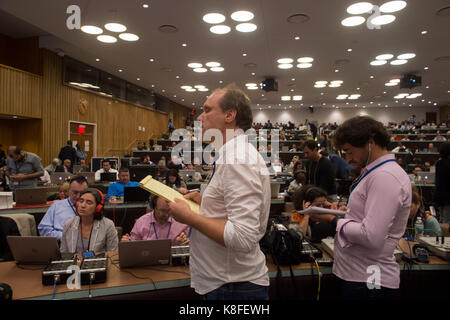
(70, 204)
(168, 233)
(365, 175)
(214, 170)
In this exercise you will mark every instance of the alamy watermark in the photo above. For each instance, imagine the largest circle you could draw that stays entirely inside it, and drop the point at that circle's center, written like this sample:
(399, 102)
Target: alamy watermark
(374, 280)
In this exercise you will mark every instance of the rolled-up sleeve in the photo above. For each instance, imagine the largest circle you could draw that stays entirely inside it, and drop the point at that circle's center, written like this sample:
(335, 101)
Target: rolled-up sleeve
(243, 202)
(379, 213)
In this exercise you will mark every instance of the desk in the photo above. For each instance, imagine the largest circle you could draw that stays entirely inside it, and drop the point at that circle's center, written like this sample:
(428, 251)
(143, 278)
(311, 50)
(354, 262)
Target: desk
(425, 280)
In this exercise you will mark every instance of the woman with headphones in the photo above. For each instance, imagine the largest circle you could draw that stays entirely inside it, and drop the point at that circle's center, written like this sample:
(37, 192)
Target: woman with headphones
(89, 230)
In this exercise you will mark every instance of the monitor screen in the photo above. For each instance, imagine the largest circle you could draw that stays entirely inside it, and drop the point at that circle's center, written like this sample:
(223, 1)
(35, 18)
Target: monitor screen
(139, 172)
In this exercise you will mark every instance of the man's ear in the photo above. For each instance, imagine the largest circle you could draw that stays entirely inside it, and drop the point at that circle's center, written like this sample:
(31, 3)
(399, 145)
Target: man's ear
(230, 115)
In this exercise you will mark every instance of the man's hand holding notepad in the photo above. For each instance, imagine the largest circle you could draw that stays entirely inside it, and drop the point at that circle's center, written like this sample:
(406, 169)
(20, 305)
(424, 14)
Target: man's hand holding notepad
(165, 192)
(318, 210)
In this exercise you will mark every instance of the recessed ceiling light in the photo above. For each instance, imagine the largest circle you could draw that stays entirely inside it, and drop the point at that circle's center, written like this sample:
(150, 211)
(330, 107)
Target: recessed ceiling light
(392, 6)
(242, 16)
(390, 84)
(120, 70)
(115, 27)
(253, 73)
(293, 79)
(178, 77)
(321, 93)
(336, 70)
(321, 82)
(304, 65)
(357, 88)
(251, 84)
(353, 21)
(138, 79)
(427, 87)
(220, 81)
(406, 56)
(145, 5)
(378, 62)
(371, 77)
(395, 80)
(200, 70)
(349, 50)
(382, 20)
(128, 37)
(297, 38)
(244, 54)
(212, 64)
(292, 90)
(152, 60)
(285, 60)
(386, 56)
(217, 69)
(286, 98)
(185, 87)
(97, 59)
(398, 62)
(305, 60)
(424, 32)
(426, 68)
(297, 98)
(91, 29)
(191, 89)
(252, 88)
(285, 66)
(153, 85)
(107, 39)
(214, 18)
(195, 65)
(220, 29)
(203, 89)
(246, 27)
(184, 45)
(360, 7)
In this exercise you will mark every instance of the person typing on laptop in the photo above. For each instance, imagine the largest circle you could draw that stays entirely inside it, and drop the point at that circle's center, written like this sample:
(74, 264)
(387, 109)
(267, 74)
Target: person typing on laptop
(106, 168)
(157, 224)
(53, 221)
(116, 189)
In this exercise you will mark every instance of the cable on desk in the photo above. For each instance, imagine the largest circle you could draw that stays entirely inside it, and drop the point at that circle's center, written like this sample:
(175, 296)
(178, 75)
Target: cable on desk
(320, 276)
(132, 274)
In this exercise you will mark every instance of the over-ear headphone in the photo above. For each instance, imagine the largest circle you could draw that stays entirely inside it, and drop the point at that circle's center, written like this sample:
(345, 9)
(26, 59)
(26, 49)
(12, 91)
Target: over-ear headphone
(99, 198)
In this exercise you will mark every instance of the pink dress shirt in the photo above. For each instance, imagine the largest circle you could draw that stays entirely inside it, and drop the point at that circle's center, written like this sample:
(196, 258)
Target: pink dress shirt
(376, 219)
(143, 229)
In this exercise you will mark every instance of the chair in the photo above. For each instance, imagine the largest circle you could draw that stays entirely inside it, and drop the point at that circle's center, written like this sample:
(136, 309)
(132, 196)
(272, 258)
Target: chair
(8, 227)
(25, 222)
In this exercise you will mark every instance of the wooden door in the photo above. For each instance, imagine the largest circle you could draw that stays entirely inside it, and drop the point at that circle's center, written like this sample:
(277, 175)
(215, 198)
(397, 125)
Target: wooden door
(83, 134)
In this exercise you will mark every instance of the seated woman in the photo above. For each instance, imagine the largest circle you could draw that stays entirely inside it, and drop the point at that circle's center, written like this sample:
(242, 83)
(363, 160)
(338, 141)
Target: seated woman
(89, 230)
(298, 182)
(309, 196)
(157, 224)
(173, 180)
(430, 224)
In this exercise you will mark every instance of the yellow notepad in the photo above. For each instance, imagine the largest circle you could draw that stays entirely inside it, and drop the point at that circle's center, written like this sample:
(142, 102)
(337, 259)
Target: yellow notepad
(165, 192)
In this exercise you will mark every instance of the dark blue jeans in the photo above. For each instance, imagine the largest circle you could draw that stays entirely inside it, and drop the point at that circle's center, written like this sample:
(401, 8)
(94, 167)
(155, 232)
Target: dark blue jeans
(238, 291)
(360, 291)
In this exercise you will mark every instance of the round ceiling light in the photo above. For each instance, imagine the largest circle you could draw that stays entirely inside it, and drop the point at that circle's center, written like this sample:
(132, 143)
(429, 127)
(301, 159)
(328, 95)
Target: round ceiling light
(217, 69)
(360, 7)
(386, 56)
(191, 90)
(392, 6)
(203, 89)
(242, 16)
(321, 82)
(285, 66)
(378, 62)
(195, 65)
(91, 29)
(107, 39)
(185, 87)
(214, 18)
(115, 27)
(212, 64)
(390, 84)
(251, 84)
(246, 27)
(304, 65)
(382, 20)
(252, 88)
(220, 29)
(285, 60)
(286, 98)
(353, 21)
(297, 98)
(199, 86)
(398, 62)
(128, 37)
(305, 60)
(200, 70)
(406, 56)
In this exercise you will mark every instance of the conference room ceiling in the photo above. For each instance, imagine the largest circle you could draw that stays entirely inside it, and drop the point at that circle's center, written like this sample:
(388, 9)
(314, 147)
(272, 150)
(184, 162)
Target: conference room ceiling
(251, 57)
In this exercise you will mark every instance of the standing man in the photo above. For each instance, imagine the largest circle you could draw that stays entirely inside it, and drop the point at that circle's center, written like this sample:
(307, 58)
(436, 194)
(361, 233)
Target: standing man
(319, 171)
(52, 224)
(376, 217)
(171, 127)
(23, 168)
(226, 261)
(68, 152)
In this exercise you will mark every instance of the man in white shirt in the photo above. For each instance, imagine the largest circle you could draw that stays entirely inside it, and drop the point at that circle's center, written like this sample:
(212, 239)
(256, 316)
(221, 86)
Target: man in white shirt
(226, 262)
(106, 168)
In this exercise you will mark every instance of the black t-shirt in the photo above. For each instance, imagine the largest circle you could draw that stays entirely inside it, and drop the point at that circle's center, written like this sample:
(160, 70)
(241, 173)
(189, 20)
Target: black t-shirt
(321, 175)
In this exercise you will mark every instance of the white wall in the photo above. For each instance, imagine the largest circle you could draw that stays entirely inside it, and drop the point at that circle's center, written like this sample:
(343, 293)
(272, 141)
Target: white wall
(321, 115)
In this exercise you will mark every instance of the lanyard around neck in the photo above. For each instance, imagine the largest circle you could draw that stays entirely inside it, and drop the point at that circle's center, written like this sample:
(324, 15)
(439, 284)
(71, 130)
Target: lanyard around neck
(369, 171)
(168, 233)
(71, 205)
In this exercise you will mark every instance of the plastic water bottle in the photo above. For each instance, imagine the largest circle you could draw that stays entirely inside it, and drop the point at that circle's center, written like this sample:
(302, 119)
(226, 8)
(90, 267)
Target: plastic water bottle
(419, 227)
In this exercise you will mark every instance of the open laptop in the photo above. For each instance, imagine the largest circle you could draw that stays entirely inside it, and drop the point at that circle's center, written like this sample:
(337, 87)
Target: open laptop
(33, 250)
(135, 194)
(108, 176)
(89, 176)
(59, 177)
(187, 174)
(31, 196)
(427, 177)
(144, 253)
(158, 147)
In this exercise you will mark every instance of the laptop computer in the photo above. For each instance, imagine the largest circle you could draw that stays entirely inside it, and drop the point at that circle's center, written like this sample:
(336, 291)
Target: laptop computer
(427, 177)
(187, 174)
(144, 253)
(135, 194)
(108, 176)
(90, 177)
(33, 250)
(31, 196)
(59, 177)
(158, 147)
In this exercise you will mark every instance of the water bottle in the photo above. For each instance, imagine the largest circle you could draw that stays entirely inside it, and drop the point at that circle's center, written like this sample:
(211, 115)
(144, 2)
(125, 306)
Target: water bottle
(419, 227)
